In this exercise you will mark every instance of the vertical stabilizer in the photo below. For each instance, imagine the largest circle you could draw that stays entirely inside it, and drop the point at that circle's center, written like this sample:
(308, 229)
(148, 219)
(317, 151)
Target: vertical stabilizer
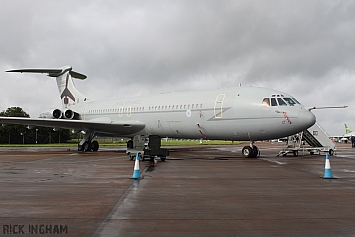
(69, 95)
(347, 129)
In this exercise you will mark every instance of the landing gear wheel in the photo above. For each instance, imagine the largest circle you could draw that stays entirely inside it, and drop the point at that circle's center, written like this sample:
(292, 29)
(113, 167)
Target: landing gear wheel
(87, 146)
(295, 153)
(331, 152)
(250, 152)
(247, 151)
(95, 146)
(80, 148)
(256, 152)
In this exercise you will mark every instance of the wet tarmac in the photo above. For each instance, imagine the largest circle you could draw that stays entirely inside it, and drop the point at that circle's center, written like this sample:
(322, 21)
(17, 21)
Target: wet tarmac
(197, 191)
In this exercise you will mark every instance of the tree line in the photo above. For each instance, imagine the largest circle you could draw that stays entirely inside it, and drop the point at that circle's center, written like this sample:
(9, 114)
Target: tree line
(19, 134)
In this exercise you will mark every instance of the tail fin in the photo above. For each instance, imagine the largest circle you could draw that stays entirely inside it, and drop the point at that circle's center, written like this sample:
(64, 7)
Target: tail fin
(69, 95)
(347, 129)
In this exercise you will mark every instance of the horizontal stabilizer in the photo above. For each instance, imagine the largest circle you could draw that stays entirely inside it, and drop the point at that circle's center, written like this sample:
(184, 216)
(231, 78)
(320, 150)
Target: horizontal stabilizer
(52, 72)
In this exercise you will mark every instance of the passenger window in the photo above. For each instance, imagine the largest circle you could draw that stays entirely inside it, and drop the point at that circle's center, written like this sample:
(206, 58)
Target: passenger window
(266, 101)
(281, 102)
(273, 102)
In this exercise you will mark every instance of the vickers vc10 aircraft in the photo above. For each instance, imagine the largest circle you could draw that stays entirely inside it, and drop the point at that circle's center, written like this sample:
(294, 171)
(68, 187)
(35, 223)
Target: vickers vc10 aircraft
(238, 114)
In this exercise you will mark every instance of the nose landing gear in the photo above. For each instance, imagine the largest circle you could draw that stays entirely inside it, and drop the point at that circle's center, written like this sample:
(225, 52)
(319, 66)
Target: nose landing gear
(251, 151)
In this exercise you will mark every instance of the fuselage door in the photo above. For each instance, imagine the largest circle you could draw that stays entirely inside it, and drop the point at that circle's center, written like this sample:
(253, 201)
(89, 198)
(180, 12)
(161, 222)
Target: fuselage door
(218, 106)
(83, 114)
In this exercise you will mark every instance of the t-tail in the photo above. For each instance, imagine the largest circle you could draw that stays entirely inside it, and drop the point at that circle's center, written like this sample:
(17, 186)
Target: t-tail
(69, 95)
(347, 129)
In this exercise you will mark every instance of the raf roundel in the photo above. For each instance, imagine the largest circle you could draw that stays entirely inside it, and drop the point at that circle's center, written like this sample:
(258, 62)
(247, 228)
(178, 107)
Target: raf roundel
(188, 113)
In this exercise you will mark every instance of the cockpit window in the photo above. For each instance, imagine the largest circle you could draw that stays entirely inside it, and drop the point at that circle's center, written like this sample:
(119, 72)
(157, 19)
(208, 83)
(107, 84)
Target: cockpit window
(290, 101)
(296, 101)
(273, 102)
(266, 101)
(281, 102)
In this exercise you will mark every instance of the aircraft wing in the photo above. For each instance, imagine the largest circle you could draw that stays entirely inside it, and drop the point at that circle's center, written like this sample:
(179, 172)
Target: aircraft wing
(99, 125)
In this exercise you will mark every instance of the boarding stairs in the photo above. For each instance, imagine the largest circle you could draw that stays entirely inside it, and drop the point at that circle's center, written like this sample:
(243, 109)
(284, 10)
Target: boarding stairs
(316, 138)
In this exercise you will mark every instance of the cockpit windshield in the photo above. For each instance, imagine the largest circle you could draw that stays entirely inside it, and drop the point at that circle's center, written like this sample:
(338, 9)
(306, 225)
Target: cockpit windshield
(290, 101)
(279, 100)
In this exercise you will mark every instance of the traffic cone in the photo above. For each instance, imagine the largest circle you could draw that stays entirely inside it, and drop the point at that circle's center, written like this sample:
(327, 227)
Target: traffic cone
(136, 171)
(327, 170)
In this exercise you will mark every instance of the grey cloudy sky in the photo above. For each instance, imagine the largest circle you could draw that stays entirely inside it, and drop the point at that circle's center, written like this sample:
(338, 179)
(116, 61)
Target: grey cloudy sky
(126, 48)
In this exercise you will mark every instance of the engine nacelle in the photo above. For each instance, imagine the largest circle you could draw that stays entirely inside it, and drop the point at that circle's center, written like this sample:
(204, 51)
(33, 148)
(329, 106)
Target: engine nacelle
(57, 113)
(51, 114)
(70, 114)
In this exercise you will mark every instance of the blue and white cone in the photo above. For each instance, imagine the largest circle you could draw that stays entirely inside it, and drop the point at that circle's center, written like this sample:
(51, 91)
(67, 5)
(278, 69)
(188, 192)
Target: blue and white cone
(136, 171)
(327, 170)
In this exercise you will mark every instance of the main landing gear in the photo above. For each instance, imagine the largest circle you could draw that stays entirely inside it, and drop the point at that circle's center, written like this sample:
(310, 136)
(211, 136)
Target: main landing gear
(87, 144)
(251, 151)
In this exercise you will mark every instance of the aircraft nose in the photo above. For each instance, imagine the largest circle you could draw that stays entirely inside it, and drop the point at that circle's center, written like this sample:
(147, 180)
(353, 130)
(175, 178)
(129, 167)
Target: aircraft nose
(306, 119)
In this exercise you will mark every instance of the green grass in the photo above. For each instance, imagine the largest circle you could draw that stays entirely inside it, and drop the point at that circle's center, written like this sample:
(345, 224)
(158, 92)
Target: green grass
(197, 142)
(110, 142)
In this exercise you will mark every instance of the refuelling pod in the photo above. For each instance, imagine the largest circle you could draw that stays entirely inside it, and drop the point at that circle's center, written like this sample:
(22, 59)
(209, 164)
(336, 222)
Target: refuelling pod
(70, 114)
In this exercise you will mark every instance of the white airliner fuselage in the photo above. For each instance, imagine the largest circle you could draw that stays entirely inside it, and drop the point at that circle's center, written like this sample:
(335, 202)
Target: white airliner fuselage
(240, 113)
(227, 114)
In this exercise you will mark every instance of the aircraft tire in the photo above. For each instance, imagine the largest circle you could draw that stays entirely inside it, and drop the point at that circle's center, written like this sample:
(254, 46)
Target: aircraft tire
(87, 146)
(80, 148)
(331, 152)
(256, 152)
(247, 151)
(95, 146)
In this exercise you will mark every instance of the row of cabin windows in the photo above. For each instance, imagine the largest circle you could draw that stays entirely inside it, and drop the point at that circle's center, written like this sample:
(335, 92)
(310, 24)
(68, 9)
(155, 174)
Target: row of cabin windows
(119, 110)
(150, 108)
(170, 107)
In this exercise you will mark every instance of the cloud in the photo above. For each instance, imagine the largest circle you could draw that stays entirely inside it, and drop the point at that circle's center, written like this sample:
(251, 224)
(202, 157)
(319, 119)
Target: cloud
(129, 48)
